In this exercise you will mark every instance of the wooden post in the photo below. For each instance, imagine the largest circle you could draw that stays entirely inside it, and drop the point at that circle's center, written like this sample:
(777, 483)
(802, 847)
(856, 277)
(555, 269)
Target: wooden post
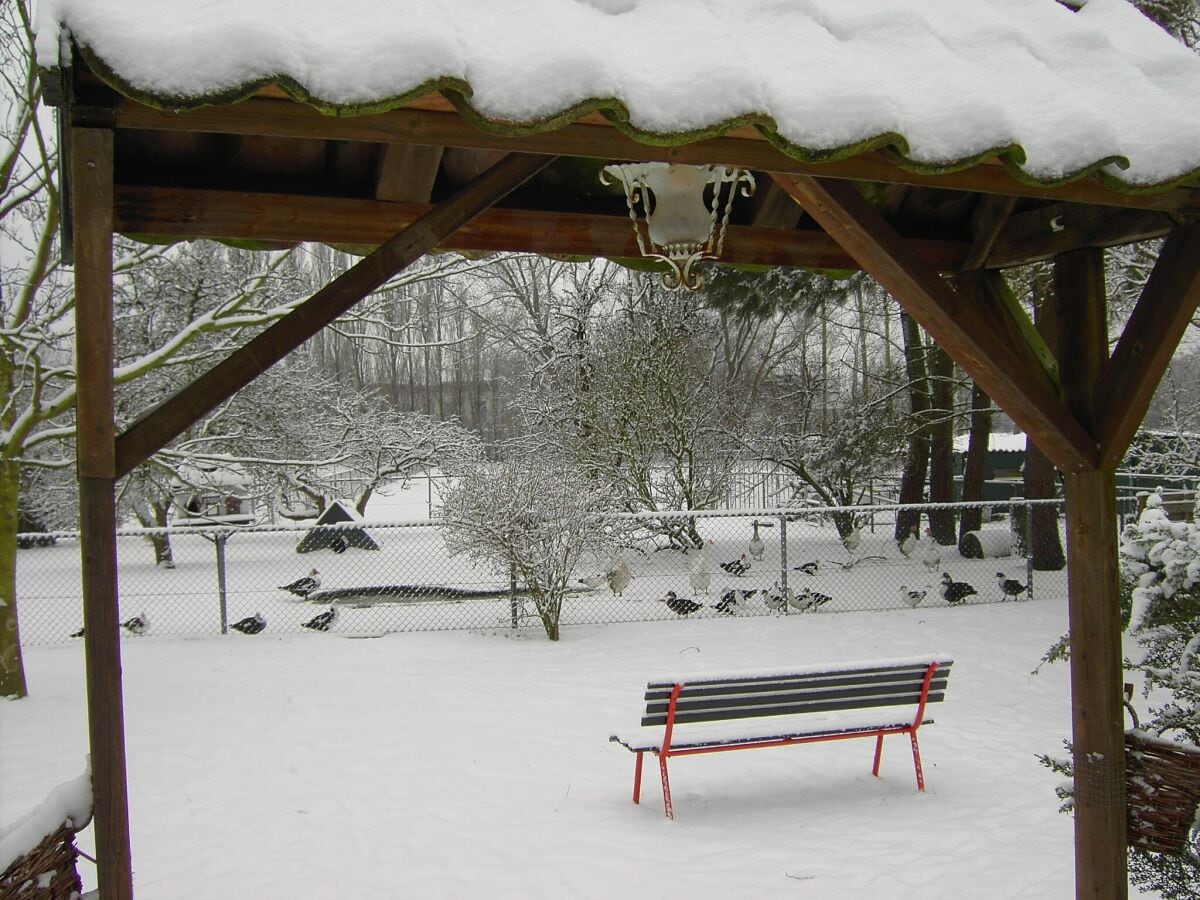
(91, 176)
(1094, 601)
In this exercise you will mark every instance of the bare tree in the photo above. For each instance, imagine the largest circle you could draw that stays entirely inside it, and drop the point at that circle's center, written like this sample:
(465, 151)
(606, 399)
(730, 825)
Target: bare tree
(534, 516)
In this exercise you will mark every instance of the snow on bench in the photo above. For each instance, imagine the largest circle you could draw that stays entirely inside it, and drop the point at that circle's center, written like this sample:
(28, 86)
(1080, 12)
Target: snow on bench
(715, 712)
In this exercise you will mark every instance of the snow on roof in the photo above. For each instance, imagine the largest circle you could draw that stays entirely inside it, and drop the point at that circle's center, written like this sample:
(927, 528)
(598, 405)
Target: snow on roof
(941, 82)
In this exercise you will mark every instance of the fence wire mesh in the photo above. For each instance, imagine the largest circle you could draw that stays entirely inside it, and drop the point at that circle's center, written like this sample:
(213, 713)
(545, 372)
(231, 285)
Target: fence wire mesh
(372, 578)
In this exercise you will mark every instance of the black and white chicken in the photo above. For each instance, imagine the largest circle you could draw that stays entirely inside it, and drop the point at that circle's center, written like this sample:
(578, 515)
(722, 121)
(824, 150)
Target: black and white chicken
(954, 592)
(303, 586)
(1010, 587)
(733, 602)
(911, 598)
(681, 605)
(78, 633)
(737, 566)
(808, 600)
(808, 568)
(139, 624)
(321, 621)
(250, 625)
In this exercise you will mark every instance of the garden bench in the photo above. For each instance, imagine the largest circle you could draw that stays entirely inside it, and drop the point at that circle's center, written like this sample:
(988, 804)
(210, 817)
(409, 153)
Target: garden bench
(713, 713)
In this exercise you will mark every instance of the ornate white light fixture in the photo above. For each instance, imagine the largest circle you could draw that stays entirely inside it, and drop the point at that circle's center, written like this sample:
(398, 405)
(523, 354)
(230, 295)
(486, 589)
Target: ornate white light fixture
(681, 226)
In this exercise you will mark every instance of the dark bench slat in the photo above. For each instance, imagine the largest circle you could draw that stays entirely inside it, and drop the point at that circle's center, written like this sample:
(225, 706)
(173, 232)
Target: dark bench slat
(749, 703)
(685, 717)
(816, 674)
(690, 692)
(805, 681)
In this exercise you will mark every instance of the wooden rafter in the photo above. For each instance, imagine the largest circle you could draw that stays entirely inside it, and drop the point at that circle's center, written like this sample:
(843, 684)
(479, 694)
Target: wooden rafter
(190, 213)
(991, 211)
(407, 172)
(1060, 228)
(1166, 306)
(168, 420)
(973, 333)
(746, 148)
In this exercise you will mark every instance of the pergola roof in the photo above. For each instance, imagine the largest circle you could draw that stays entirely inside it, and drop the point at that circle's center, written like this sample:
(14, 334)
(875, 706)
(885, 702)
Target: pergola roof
(910, 138)
(939, 84)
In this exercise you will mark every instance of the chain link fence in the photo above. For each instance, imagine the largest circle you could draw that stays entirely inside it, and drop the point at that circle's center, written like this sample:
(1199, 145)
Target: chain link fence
(371, 578)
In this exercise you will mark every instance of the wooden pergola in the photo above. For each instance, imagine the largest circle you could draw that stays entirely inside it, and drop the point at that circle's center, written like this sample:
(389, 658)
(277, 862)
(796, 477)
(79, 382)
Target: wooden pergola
(422, 176)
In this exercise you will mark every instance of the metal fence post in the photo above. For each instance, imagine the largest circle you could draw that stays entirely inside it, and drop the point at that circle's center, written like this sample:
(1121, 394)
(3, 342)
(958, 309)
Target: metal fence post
(1029, 547)
(222, 595)
(783, 561)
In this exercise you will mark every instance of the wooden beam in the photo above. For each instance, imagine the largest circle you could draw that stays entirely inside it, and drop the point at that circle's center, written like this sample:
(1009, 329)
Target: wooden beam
(1097, 713)
(773, 208)
(1059, 228)
(188, 213)
(166, 421)
(988, 217)
(972, 332)
(91, 174)
(748, 149)
(407, 172)
(1168, 302)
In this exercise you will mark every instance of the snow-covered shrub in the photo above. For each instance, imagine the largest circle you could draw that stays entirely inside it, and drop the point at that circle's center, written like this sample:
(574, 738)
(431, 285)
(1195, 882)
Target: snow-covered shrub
(1160, 573)
(533, 516)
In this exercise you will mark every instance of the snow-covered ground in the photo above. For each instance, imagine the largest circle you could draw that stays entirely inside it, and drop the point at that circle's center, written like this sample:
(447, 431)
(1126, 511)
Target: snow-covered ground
(472, 764)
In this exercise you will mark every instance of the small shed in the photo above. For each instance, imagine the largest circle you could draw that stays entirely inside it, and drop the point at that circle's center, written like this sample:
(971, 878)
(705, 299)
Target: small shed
(341, 536)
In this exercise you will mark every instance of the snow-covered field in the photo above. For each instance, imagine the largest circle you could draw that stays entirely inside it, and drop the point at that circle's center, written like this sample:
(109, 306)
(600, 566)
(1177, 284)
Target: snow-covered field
(471, 764)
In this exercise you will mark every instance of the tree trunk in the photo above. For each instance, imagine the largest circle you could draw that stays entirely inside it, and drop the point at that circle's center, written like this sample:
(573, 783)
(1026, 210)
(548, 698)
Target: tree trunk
(12, 668)
(941, 445)
(916, 460)
(1044, 544)
(975, 471)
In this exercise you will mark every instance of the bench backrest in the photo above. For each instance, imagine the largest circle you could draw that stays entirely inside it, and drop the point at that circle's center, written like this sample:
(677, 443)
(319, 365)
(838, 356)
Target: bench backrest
(781, 694)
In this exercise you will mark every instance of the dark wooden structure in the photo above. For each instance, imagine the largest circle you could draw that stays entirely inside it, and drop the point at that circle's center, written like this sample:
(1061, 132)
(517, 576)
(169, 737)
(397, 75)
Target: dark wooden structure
(273, 170)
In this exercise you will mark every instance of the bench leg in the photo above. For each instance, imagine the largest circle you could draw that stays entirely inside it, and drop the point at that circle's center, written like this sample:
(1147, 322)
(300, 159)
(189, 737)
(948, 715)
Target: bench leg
(637, 780)
(917, 761)
(878, 753)
(666, 783)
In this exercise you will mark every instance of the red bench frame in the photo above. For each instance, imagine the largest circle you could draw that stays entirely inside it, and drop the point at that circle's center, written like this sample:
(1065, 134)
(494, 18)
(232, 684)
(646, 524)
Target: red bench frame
(666, 751)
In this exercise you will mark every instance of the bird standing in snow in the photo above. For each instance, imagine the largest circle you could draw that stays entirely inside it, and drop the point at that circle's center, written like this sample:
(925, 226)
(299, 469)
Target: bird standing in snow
(806, 600)
(808, 568)
(593, 582)
(681, 605)
(931, 553)
(777, 600)
(757, 547)
(304, 586)
(78, 633)
(321, 621)
(250, 625)
(619, 577)
(1010, 587)
(733, 601)
(853, 537)
(737, 566)
(955, 591)
(139, 624)
(699, 577)
(910, 543)
(911, 598)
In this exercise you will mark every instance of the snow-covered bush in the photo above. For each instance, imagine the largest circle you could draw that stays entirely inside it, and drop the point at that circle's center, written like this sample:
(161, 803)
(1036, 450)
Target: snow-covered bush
(533, 516)
(1160, 572)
